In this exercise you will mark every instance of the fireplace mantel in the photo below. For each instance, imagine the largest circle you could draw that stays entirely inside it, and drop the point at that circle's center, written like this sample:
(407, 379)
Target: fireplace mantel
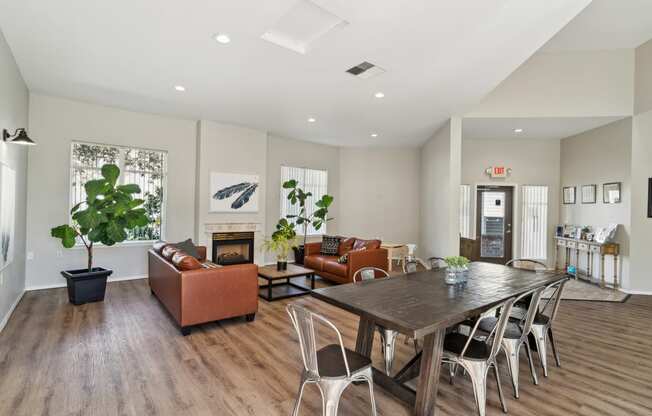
(223, 227)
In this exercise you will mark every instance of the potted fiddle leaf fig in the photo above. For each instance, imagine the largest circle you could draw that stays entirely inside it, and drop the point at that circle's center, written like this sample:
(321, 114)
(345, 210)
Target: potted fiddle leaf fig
(318, 217)
(282, 241)
(106, 214)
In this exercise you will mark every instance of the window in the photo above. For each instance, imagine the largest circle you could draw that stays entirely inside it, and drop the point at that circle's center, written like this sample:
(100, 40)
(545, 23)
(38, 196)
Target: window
(534, 235)
(310, 180)
(465, 211)
(146, 168)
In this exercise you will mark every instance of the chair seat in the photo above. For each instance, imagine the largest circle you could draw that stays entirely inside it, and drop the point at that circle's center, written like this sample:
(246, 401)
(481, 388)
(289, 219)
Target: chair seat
(477, 349)
(513, 331)
(331, 362)
(541, 319)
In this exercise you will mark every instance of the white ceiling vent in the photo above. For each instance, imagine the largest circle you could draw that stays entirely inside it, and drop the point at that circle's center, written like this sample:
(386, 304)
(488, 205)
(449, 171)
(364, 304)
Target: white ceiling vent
(303, 25)
(365, 70)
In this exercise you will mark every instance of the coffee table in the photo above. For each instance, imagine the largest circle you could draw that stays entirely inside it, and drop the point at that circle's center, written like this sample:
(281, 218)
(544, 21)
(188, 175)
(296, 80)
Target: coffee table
(287, 289)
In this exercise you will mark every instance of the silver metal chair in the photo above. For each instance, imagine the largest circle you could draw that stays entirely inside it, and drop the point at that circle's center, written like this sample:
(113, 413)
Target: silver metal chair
(436, 263)
(516, 335)
(387, 336)
(333, 367)
(542, 325)
(410, 264)
(477, 357)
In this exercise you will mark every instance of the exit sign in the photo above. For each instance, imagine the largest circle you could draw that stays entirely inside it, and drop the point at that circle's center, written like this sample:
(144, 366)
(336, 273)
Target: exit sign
(498, 171)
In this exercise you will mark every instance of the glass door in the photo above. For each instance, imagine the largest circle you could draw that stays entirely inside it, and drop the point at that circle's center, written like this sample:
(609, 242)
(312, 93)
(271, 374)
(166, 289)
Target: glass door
(494, 223)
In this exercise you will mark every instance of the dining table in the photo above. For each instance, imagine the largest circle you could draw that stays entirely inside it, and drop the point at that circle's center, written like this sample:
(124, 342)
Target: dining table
(422, 306)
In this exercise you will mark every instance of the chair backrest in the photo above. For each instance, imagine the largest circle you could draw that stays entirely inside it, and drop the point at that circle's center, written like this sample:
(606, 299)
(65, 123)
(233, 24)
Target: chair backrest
(527, 264)
(436, 262)
(551, 306)
(303, 321)
(504, 309)
(410, 264)
(368, 273)
(533, 309)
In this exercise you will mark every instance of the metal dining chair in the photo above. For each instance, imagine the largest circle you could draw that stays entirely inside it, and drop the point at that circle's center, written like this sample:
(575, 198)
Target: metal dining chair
(527, 264)
(477, 357)
(436, 263)
(387, 336)
(516, 335)
(410, 264)
(333, 367)
(542, 325)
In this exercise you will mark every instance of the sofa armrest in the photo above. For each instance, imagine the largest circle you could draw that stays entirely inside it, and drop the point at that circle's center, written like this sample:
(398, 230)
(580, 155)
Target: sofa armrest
(366, 258)
(223, 292)
(312, 248)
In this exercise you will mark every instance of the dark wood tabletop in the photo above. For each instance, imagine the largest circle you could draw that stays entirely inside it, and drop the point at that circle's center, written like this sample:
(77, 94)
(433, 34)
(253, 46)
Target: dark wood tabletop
(417, 304)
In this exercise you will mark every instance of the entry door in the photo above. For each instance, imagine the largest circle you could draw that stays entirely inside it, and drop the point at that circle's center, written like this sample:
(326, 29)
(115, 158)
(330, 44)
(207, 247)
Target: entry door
(494, 223)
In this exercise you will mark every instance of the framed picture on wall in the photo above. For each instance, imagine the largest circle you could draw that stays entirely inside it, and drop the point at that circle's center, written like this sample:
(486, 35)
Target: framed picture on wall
(588, 194)
(611, 193)
(649, 198)
(569, 195)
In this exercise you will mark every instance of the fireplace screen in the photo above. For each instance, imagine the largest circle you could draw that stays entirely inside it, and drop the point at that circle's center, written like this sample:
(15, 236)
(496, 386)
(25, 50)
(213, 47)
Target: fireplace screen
(233, 248)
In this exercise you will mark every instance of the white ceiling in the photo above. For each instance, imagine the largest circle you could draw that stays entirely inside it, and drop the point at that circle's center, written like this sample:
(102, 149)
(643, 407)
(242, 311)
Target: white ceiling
(606, 24)
(441, 57)
(533, 128)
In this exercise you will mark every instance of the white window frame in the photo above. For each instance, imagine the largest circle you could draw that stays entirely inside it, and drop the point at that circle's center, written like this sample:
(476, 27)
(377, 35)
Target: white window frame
(310, 202)
(121, 165)
(524, 230)
(466, 212)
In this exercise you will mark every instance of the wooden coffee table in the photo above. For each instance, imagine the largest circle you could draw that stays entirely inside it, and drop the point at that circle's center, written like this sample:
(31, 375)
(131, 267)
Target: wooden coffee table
(286, 289)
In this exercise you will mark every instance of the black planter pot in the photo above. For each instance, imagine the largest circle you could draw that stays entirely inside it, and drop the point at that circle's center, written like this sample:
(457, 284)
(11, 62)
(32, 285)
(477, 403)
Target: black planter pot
(298, 254)
(85, 286)
(281, 265)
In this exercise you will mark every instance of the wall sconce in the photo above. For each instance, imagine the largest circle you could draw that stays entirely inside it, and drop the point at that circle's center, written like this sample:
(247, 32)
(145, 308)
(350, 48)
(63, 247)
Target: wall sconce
(19, 137)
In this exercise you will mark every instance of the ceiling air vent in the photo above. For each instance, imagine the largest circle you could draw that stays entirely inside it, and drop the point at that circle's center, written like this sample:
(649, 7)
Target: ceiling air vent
(365, 70)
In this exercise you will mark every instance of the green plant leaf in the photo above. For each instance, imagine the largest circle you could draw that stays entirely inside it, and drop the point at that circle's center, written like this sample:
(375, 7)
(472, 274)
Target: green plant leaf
(89, 218)
(110, 172)
(131, 188)
(94, 188)
(115, 232)
(292, 183)
(76, 207)
(66, 233)
(136, 203)
(98, 234)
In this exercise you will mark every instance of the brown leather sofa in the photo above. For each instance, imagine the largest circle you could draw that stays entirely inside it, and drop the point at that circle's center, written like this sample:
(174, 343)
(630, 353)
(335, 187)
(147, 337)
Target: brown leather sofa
(361, 253)
(194, 294)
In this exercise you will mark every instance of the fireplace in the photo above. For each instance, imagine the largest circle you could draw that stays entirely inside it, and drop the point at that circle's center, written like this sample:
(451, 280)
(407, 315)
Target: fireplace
(233, 248)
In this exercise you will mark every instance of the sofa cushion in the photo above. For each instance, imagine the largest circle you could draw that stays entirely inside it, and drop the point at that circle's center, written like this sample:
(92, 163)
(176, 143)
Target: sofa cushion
(316, 261)
(189, 247)
(184, 261)
(168, 251)
(346, 245)
(329, 245)
(368, 244)
(345, 258)
(158, 246)
(333, 267)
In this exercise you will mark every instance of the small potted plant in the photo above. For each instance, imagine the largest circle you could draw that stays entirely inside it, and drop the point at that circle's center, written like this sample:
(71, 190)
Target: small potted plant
(318, 218)
(456, 266)
(108, 211)
(282, 241)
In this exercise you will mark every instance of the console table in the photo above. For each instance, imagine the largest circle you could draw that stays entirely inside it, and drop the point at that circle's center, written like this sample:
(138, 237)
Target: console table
(591, 248)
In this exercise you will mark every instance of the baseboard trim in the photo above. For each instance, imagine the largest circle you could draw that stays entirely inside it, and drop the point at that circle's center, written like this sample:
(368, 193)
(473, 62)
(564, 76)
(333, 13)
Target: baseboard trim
(5, 320)
(63, 284)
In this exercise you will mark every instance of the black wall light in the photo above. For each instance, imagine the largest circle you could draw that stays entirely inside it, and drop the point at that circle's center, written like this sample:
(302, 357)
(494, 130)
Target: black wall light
(19, 137)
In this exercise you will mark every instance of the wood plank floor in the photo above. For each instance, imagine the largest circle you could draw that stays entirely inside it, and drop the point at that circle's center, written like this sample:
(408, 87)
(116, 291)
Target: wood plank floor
(125, 357)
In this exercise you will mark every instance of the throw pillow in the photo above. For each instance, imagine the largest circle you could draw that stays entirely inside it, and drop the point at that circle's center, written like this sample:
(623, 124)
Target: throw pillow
(346, 245)
(329, 245)
(189, 247)
(158, 246)
(168, 251)
(184, 261)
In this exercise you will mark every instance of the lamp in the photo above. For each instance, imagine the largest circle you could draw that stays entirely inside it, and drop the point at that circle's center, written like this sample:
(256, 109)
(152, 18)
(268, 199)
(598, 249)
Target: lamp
(19, 137)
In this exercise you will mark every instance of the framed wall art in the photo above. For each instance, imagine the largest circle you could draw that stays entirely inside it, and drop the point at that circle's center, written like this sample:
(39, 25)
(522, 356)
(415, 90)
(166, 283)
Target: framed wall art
(569, 195)
(611, 193)
(589, 194)
(233, 192)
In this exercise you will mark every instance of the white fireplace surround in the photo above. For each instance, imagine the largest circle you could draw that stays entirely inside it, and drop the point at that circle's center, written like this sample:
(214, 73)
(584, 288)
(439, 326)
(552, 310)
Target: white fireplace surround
(226, 227)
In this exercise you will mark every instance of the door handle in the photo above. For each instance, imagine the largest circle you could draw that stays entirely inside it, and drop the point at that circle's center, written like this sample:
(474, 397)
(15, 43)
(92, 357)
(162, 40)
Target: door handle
(509, 229)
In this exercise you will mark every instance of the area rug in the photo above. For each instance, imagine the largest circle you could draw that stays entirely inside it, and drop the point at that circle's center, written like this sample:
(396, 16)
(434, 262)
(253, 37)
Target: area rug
(585, 291)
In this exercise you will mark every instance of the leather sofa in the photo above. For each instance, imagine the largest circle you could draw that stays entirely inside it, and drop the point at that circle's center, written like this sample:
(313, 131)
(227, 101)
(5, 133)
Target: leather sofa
(361, 253)
(194, 294)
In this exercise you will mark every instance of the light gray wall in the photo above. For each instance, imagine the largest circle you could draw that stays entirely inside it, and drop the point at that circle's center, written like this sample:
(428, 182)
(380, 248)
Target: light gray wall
(441, 167)
(533, 162)
(55, 123)
(379, 190)
(600, 156)
(14, 99)
(641, 234)
(230, 149)
(297, 153)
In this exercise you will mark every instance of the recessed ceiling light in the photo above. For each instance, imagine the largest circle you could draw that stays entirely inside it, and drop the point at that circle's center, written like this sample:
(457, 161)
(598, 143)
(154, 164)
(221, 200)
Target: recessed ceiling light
(222, 38)
(179, 88)
(312, 120)
(379, 95)
(374, 134)
(518, 131)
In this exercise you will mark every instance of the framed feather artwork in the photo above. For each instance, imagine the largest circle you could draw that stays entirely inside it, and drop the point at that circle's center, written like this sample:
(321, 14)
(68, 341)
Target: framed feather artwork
(234, 192)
